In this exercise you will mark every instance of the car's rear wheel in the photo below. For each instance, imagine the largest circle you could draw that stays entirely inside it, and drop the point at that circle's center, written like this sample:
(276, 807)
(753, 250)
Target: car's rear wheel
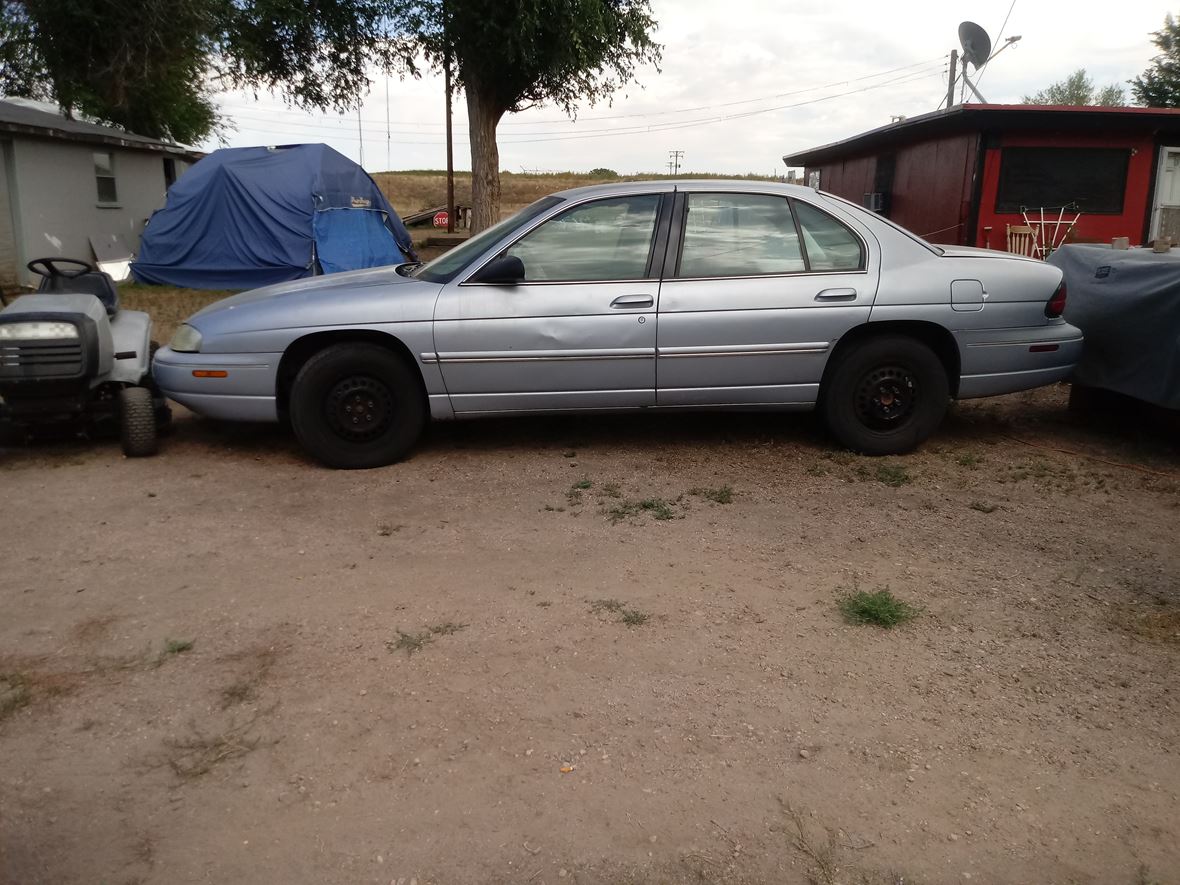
(885, 396)
(137, 422)
(355, 406)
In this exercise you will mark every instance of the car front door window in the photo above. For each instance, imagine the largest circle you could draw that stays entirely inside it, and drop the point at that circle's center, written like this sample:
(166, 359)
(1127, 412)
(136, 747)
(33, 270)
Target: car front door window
(599, 241)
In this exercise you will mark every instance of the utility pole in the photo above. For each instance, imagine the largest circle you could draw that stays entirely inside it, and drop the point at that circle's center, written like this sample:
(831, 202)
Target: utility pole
(950, 87)
(388, 165)
(450, 150)
(360, 135)
(450, 143)
(676, 156)
(669, 167)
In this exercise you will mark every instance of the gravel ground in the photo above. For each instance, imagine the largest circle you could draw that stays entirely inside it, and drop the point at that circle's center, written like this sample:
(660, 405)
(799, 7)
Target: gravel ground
(595, 651)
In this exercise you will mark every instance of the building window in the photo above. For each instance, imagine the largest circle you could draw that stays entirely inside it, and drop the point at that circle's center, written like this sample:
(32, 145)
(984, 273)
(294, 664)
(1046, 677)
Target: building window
(104, 177)
(1092, 179)
(169, 172)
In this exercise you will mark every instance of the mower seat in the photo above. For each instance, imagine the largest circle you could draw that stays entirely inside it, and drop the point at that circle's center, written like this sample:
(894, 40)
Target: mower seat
(95, 283)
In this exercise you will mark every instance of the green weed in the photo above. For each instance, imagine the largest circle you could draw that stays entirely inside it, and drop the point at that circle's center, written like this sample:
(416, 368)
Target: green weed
(880, 607)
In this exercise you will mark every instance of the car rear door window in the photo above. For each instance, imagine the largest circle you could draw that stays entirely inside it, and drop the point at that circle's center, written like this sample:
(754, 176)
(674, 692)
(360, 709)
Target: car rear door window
(604, 240)
(734, 235)
(830, 245)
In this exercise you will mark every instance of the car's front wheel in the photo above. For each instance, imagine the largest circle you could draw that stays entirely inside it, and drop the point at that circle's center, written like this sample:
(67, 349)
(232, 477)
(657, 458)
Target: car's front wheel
(885, 396)
(357, 405)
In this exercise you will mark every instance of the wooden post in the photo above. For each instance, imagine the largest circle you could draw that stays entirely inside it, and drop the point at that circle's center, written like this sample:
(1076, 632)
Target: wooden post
(450, 152)
(950, 88)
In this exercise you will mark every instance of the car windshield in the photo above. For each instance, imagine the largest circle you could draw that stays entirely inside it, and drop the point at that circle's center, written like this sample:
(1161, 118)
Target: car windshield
(447, 266)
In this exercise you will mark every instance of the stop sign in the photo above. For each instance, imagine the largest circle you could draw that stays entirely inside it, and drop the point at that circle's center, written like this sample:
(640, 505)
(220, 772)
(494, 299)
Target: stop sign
(440, 219)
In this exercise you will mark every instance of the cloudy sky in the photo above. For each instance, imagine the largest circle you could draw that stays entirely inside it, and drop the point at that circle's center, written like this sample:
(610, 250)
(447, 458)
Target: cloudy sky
(742, 83)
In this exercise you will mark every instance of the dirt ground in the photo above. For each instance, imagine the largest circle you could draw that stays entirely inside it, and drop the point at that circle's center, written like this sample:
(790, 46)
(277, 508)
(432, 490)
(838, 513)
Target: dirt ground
(494, 662)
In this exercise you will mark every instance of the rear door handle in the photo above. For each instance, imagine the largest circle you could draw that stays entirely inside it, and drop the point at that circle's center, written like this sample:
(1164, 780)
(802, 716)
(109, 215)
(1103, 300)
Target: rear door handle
(633, 301)
(836, 295)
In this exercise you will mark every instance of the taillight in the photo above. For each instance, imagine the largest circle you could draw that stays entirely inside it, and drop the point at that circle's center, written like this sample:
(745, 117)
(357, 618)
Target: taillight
(1056, 305)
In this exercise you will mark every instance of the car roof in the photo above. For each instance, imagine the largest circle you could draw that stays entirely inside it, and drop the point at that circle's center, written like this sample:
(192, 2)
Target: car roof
(684, 184)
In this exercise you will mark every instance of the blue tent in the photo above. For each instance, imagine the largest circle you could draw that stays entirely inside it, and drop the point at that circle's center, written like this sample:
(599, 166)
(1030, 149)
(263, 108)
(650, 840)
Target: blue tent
(248, 217)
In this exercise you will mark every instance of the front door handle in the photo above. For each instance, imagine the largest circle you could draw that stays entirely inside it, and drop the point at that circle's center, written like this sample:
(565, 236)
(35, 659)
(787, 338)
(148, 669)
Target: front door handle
(633, 301)
(836, 295)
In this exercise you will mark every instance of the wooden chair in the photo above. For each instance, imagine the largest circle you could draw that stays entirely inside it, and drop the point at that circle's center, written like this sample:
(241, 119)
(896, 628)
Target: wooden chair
(1022, 239)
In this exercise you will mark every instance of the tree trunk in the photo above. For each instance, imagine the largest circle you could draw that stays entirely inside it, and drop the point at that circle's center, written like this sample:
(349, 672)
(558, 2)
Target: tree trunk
(482, 118)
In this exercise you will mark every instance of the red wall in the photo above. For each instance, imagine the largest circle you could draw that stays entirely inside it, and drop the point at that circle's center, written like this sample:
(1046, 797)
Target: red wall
(1090, 228)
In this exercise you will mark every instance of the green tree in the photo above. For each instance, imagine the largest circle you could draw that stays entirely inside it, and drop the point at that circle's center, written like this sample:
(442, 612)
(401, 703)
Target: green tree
(151, 66)
(1079, 89)
(1159, 85)
(509, 55)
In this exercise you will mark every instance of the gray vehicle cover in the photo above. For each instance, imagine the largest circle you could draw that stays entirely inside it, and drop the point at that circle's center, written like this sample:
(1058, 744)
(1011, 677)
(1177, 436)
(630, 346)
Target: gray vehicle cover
(1127, 302)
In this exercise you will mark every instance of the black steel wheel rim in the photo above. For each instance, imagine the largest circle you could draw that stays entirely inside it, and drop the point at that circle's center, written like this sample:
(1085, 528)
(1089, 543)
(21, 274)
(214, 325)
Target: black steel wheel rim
(886, 397)
(359, 408)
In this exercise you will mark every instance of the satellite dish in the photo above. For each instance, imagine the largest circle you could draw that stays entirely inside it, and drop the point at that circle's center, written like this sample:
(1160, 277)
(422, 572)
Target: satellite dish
(977, 45)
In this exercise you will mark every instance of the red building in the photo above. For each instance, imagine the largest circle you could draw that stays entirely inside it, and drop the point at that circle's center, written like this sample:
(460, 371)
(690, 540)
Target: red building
(962, 176)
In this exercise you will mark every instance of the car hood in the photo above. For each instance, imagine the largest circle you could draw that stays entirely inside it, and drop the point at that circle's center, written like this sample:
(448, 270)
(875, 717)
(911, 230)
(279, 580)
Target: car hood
(361, 297)
(330, 282)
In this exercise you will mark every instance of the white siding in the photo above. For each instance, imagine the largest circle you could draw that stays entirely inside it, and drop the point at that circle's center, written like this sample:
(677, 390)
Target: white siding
(59, 209)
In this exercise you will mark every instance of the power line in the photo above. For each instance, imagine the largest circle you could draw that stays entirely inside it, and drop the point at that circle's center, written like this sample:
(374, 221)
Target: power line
(999, 37)
(911, 77)
(643, 114)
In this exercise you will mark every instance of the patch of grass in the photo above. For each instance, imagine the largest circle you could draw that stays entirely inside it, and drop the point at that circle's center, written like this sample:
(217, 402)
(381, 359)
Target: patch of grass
(14, 693)
(412, 642)
(176, 647)
(199, 753)
(968, 459)
(610, 490)
(880, 607)
(657, 507)
(633, 617)
(582, 485)
(722, 495)
(892, 474)
(816, 470)
(983, 507)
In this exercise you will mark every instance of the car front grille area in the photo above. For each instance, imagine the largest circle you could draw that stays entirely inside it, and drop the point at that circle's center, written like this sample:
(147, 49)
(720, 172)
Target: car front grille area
(41, 359)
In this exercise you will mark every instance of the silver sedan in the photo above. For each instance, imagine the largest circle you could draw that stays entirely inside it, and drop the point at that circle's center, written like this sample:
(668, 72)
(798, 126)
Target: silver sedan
(649, 295)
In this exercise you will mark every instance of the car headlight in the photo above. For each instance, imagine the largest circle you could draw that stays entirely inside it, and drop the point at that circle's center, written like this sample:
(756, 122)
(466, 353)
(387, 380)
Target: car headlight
(186, 340)
(37, 330)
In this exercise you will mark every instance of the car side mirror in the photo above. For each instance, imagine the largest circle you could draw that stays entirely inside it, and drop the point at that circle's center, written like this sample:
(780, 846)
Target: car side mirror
(506, 269)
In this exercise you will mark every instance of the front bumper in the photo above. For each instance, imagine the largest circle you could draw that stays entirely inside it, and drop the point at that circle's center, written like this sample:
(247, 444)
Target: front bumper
(245, 393)
(996, 361)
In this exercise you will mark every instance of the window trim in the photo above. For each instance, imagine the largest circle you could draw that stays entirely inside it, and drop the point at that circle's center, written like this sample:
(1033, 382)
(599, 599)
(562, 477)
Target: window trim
(663, 214)
(113, 178)
(672, 264)
(1125, 154)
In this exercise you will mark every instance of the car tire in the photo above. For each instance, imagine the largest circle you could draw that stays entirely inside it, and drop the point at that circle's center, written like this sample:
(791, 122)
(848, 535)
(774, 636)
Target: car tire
(885, 396)
(356, 406)
(137, 422)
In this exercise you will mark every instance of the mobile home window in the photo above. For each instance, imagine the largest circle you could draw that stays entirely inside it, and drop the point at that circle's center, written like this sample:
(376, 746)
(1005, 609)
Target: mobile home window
(104, 177)
(169, 172)
(1093, 179)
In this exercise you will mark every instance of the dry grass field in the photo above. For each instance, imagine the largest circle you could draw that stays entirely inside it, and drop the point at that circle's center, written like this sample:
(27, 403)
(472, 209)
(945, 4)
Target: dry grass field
(419, 189)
